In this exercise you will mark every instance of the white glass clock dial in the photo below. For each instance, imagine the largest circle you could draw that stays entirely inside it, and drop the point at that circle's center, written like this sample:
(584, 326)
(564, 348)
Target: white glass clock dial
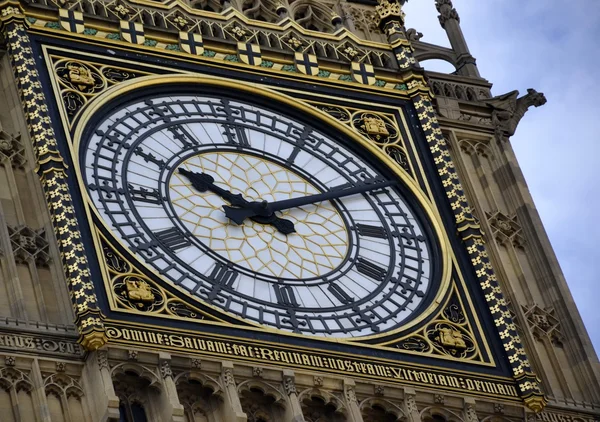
(160, 169)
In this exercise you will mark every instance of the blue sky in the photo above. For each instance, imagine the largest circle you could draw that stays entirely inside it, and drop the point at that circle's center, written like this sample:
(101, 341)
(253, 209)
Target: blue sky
(553, 47)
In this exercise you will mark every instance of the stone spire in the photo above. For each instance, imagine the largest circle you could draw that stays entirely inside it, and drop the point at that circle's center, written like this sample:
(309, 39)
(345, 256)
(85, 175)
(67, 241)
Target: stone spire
(450, 21)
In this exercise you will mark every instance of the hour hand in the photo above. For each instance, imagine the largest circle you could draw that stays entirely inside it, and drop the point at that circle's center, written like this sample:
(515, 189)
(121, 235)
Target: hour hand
(205, 182)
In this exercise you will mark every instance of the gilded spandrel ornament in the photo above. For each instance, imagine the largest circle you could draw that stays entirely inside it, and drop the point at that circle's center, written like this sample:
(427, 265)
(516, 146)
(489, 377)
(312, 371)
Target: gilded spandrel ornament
(375, 126)
(139, 291)
(134, 292)
(378, 128)
(452, 338)
(80, 77)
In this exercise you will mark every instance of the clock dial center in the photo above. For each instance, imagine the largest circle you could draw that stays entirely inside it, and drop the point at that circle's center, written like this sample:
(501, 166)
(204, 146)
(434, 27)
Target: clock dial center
(318, 246)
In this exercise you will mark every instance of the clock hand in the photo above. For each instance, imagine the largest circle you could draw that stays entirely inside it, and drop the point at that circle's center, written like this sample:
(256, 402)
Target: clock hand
(265, 209)
(205, 182)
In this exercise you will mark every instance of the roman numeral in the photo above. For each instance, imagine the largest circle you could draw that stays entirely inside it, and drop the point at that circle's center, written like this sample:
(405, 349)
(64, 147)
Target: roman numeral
(410, 236)
(339, 293)
(106, 187)
(408, 287)
(371, 231)
(236, 135)
(149, 158)
(183, 136)
(285, 296)
(172, 238)
(140, 194)
(221, 276)
(370, 270)
(157, 110)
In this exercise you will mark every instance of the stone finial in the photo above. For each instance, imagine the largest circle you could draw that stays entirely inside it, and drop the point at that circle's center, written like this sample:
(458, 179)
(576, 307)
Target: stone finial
(447, 11)
(388, 13)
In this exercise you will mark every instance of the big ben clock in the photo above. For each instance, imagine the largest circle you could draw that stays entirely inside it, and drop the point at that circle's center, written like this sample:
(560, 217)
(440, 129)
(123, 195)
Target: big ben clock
(261, 214)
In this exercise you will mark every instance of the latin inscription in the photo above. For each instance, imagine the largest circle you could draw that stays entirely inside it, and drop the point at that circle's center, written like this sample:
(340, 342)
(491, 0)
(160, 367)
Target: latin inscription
(327, 362)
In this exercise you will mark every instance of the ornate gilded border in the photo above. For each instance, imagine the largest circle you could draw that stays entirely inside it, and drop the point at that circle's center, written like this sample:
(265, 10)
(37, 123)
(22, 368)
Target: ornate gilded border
(52, 171)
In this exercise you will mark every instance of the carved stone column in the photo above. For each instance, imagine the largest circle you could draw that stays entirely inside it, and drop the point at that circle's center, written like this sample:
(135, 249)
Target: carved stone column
(450, 21)
(354, 414)
(294, 410)
(172, 410)
(410, 405)
(51, 169)
(38, 393)
(469, 409)
(232, 406)
(100, 392)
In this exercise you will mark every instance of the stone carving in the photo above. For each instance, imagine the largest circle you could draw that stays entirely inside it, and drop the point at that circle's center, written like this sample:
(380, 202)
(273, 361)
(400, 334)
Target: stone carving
(509, 109)
(318, 381)
(413, 35)
(264, 10)
(313, 16)
(10, 360)
(506, 229)
(470, 413)
(388, 11)
(61, 366)
(11, 150)
(498, 408)
(543, 323)
(350, 395)
(411, 403)
(196, 363)
(165, 369)
(228, 379)
(289, 385)
(379, 390)
(439, 399)
(447, 11)
(257, 371)
(29, 245)
(132, 355)
(103, 359)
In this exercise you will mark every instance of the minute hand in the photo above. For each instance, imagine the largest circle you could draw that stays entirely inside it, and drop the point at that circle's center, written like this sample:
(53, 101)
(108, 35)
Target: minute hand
(325, 196)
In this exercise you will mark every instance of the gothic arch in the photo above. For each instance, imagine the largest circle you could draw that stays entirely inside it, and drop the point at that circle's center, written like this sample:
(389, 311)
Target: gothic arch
(266, 388)
(262, 10)
(141, 371)
(388, 408)
(434, 413)
(261, 401)
(200, 395)
(315, 401)
(202, 379)
(448, 57)
(312, 15)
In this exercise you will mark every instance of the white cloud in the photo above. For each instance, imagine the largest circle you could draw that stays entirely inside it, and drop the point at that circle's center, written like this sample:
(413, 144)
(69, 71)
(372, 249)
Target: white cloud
(552, 47)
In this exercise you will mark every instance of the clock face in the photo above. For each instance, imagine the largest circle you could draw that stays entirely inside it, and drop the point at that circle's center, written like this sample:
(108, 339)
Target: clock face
(160, 170)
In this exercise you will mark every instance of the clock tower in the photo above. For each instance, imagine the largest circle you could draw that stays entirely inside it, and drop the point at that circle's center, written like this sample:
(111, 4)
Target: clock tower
(265, 211)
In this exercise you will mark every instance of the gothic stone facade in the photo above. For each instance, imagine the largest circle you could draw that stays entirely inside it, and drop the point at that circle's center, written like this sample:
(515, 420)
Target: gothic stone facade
(55, 362)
